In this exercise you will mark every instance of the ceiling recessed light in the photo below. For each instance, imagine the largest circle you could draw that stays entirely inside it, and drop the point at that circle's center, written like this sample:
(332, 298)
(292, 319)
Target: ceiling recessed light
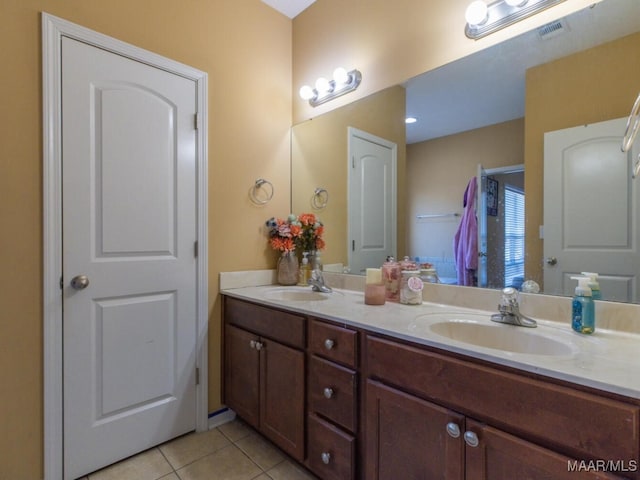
(410, 120)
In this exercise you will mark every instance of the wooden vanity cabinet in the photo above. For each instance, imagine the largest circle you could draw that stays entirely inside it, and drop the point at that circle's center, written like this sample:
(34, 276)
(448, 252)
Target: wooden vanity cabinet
(427, 412)
(264, 372)
(332, 400)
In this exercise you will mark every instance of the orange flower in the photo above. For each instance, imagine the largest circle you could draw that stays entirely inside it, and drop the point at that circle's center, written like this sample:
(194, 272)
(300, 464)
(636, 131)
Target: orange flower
(295, 230)
(307, 218)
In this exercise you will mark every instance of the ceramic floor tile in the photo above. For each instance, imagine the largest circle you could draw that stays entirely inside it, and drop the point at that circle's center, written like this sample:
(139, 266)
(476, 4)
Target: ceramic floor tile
(235, 430)
(261, 451)
(230, 463)
(287, 470)
(171, 476)
(264, 476)
(149, 465)
(189, 448)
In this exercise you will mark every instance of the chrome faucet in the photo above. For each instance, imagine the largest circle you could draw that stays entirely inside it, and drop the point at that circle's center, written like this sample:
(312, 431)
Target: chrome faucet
(317, 282)
(510, 310)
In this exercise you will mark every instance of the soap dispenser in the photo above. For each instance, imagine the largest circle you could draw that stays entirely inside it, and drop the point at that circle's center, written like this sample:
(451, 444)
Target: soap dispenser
(583, 315)
(593, 285)
(305, 270)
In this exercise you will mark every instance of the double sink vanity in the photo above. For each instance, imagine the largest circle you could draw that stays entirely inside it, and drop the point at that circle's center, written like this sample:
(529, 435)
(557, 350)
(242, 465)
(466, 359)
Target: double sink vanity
(431, 391)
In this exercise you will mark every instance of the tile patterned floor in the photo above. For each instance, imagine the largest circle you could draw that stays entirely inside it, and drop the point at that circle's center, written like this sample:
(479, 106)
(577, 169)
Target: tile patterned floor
(233, 451)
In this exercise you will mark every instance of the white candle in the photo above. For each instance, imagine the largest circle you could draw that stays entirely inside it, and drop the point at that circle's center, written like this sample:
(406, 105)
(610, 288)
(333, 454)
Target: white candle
(374, 275)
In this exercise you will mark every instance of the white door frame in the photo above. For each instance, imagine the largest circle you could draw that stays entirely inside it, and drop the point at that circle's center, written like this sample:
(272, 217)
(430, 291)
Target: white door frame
(53, 29)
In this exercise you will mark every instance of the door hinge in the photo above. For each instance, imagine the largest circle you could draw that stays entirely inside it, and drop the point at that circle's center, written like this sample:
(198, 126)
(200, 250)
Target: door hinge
(353, 245)
(195, 249)
(195, 121)
(353, 162)
(61, 283)
(197, 376)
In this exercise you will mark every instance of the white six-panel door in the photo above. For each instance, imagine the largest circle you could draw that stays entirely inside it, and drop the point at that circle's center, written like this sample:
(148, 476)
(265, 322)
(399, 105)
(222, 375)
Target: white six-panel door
(591, 211)
(129, 226)
(372, 200)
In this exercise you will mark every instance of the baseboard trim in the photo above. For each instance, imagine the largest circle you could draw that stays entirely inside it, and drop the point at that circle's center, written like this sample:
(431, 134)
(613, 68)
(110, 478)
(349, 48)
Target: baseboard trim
(220, 417)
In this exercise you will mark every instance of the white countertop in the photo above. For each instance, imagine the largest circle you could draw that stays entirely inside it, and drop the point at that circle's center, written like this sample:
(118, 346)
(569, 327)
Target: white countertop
(607, 360)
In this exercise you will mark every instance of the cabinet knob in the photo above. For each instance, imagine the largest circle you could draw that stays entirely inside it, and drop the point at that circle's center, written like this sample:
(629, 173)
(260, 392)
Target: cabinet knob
(471, 439)
(326, 457)
(328, 344)
(453, 429)
(259, 345)
(328, 392)
(252, 344)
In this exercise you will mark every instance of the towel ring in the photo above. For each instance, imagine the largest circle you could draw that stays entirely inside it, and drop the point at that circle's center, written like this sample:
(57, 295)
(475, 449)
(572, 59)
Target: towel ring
(257, 187)
(633, 124)
(320, 198)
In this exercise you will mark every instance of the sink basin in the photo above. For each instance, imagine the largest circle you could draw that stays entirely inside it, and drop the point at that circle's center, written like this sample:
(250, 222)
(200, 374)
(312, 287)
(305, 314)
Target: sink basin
(293, 294)
(468, 329)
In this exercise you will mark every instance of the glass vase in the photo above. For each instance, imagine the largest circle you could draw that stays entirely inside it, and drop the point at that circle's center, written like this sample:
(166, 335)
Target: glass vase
(287, 269)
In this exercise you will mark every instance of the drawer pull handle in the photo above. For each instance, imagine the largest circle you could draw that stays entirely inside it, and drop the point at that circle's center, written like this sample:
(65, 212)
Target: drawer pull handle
(471, 439)
(328, 392)
(328, 344)
(453, 429)
(326, 458)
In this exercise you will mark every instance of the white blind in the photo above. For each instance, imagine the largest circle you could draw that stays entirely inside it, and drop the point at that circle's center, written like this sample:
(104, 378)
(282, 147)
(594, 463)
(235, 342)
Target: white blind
(513, 234)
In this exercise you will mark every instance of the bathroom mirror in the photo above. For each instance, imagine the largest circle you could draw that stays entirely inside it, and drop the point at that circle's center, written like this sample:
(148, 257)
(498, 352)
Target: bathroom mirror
(496, 121)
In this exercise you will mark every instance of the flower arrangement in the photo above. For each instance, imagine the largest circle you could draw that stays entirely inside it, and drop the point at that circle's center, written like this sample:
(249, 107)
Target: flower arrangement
(303, 232)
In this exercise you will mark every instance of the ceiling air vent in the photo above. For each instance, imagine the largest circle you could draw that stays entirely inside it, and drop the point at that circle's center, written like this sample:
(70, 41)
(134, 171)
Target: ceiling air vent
(553, 29)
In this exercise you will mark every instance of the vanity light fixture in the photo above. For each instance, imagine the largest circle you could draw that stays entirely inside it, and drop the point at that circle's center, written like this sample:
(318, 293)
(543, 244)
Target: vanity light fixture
(409, 120)
(483, 19)
(325, 90)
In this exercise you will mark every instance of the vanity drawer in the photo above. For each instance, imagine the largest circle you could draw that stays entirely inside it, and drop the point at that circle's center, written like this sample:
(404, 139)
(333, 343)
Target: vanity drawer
(331, 451)
(332, 392)
(580, 424)
(275, 324)
(333, 342)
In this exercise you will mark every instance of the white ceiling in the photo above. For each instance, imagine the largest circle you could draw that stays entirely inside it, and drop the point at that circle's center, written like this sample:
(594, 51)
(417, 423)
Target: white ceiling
(290, 8)
(488, 87)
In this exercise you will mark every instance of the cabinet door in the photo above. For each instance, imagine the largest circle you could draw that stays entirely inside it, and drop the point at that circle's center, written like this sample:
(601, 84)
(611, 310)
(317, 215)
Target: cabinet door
(406, 437)
(500, 456)
(242, 374)
(282, 396)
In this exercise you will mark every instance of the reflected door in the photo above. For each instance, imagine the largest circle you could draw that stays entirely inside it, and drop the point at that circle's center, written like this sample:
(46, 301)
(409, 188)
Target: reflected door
(129, 228)
(591, 213)
(372, 200)
(481, 215)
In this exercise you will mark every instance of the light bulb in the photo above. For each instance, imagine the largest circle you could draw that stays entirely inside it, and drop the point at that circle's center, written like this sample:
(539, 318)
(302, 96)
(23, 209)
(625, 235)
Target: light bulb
(476, 13)
(306, 92)
(322, 85)
(341, 76)
(516, 3)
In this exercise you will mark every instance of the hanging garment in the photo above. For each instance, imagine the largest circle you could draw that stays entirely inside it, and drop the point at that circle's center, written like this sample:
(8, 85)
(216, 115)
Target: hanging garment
(465, 241)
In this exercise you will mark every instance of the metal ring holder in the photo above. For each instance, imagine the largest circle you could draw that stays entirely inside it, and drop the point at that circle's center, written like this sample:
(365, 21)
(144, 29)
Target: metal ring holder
(633, 124)
(320, 198)
(257, 187)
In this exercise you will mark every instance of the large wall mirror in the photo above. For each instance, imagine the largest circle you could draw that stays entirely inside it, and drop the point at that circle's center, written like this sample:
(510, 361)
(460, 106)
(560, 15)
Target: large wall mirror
(486, 116)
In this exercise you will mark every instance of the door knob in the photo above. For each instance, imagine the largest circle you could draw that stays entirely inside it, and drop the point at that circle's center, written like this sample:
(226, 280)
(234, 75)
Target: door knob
(552, 261)
(80, 282)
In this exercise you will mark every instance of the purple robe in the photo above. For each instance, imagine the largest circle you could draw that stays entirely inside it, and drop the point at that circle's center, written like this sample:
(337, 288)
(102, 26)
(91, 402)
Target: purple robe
(465, 241)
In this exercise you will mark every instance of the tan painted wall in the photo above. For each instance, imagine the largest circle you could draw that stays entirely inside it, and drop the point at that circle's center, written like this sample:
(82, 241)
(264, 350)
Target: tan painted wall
(435, 187)
(389, 42)
(591, 86)
(319, 149)
(250, 117)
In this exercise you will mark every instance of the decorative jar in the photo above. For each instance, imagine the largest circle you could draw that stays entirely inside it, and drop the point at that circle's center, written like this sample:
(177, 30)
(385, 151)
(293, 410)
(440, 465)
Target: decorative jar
(287, 268)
